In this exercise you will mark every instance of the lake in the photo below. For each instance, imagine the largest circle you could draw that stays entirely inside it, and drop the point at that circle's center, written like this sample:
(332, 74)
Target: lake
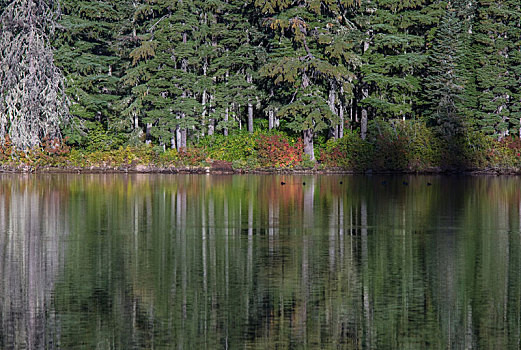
(242, 262)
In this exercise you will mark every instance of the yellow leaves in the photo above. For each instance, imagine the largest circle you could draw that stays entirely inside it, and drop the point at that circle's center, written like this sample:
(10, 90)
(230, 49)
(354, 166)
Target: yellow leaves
(276, 24)
(145, 51)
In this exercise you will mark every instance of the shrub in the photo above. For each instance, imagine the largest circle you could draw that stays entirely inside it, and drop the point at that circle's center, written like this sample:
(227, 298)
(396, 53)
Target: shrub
(229, 148)
(279, 151)
(405, 145)
(349, 152)
(191, 156)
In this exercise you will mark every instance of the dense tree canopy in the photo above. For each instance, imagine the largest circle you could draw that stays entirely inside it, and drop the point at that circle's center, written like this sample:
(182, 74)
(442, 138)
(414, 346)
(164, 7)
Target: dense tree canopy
(169, 72)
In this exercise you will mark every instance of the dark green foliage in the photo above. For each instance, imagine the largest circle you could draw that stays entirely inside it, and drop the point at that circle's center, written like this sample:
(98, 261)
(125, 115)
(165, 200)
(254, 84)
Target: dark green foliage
(90, 51)
(496, 45)
(312, 59)
(178, 74)
(404, 145)
(445, 81)
(393, 53)
(349, 152)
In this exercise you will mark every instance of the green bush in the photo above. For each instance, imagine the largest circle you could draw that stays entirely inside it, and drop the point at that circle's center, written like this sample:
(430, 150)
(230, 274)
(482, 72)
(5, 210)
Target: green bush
(404, 145)
(349, 152)
(229, 148)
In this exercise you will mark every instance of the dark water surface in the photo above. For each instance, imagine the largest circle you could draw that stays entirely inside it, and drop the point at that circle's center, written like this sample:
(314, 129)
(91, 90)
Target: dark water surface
(241, 262)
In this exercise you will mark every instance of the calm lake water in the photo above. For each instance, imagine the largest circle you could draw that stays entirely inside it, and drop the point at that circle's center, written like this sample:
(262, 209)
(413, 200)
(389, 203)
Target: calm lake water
(241, 262)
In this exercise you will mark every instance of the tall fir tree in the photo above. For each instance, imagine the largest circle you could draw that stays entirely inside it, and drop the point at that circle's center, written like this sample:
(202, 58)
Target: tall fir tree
(394, 56)
(89, 52)
(304, 57)
(446, 79)
(496, 45)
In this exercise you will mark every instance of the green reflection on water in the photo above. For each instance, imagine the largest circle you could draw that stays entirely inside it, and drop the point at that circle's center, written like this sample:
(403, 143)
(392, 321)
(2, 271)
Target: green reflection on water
(146, 261)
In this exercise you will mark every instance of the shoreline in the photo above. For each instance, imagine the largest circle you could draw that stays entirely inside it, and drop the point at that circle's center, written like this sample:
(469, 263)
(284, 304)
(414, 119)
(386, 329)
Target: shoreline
(228, 170)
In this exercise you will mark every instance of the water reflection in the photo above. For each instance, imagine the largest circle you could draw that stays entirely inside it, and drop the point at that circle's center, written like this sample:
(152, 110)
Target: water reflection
(143, 261)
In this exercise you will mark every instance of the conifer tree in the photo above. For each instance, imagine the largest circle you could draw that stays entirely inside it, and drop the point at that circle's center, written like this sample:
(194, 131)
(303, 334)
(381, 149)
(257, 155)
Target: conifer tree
(302, 40)
(89, 52)
(496, 44)
(446, 79)
(163, 74)
(394, 56)
(32, 100)
(234, 68)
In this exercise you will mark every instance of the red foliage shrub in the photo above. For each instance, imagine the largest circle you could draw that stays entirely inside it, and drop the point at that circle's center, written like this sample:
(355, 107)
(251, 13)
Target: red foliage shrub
(191, 156)
(275, 150)
(512, 142)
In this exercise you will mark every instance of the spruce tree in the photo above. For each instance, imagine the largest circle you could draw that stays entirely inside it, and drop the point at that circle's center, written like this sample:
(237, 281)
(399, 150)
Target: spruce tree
(234, 68)
(303, 59)
(394, 55)
(90, 54)
(163, 76)
(446, 79)
(496, 45)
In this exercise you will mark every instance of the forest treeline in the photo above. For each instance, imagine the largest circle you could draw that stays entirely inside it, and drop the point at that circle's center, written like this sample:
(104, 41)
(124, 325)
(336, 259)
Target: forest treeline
(182, 73)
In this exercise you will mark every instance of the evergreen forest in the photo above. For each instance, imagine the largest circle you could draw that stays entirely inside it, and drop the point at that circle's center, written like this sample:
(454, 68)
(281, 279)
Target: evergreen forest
(358, 84)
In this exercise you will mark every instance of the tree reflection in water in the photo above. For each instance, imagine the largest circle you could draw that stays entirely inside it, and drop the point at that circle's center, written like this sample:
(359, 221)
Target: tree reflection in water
(146, 261)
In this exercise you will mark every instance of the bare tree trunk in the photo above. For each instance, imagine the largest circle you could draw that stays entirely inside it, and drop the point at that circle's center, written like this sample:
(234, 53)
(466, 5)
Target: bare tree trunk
(365, 94)
(204, 98)
(363, 122)
(181, 131)
(226, 116)
(183, 138)
(308, 143)
(147, 133)
(341, 114)
(250, 109)
(271, 120)
(178, 134)
(341, 125)
(250, 118)
(173, 144)
(308, 133)
(211, 121)
(331, 103)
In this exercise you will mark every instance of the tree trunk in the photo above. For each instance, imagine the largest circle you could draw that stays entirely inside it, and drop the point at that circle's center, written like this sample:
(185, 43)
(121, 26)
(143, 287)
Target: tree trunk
(178, 134)
(363, 124)
(183, 138)
(249, 79)
(147, 133)
(331, 103)
(363, 121)
(205, 97)
(341, 116)
(271, 120)
(308, 143)
(211, 121)
(365, 94)
(341, 124)
(226, 116)
(211, 127)
(250, 118)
